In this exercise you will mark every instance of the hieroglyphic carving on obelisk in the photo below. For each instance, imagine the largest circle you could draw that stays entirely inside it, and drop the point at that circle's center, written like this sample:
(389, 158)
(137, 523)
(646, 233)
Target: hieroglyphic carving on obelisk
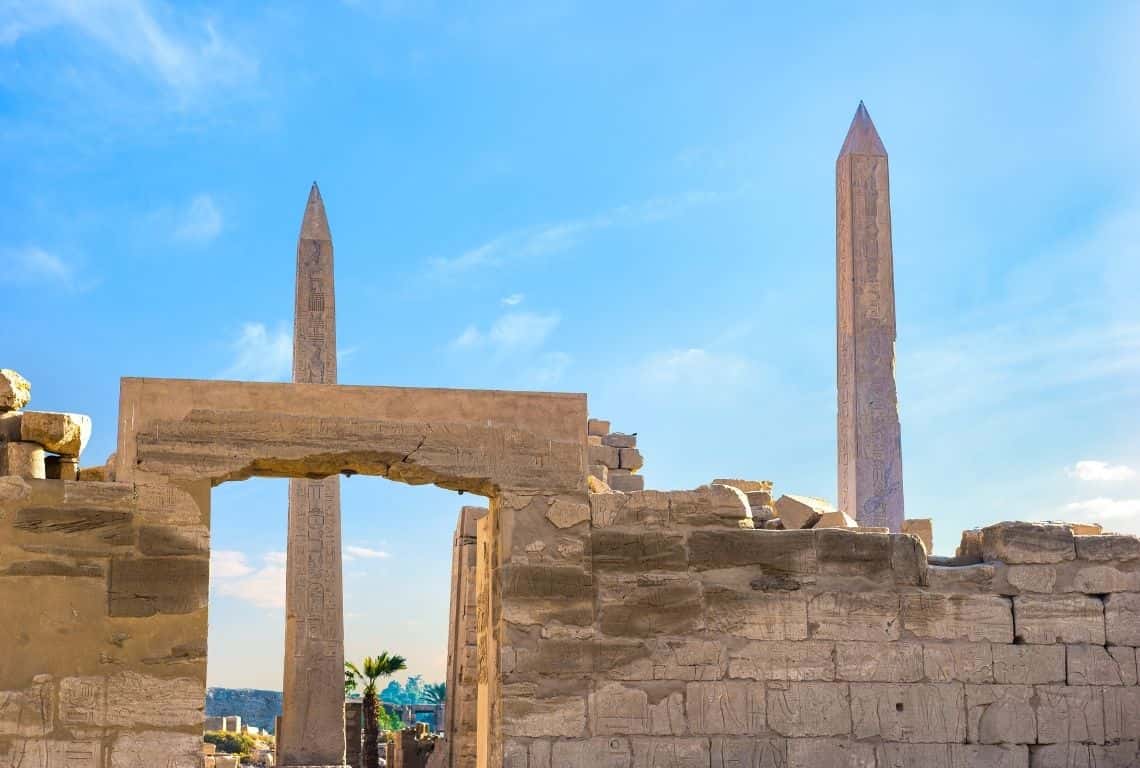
(870, 449)
(313, 720)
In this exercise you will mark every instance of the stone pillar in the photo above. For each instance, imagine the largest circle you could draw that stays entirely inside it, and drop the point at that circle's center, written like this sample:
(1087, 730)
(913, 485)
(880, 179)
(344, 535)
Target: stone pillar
(870, 451)
(353, 752)
(313, 718)
(462, 676)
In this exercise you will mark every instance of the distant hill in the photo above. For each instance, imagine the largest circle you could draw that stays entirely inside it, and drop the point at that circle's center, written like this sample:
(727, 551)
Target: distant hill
(255, 707)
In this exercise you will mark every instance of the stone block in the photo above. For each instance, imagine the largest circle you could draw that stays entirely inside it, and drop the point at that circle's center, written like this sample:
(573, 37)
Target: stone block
(917, 713)
(923, 528)
(646, 509)
(869, 557)
(786, 552)
(688, 660)
(747, 486)
(970, 547)
(617, 708)
(28, 711)
(1101, 579)
(1097, 665)
(605, 455)
(791, 661)
(637, 551)
(1122, 755)
(598, 427)
(625, 481)
(131, 749)
(1028, 543)
(835, 520)
(1000, 714)
(630, 458)
(1122, 619)
(762, 752)
(620, 440)
(866, 616)
(709, 505)
(62, 433)
(1070, 714)
(972, 618)
(830, 753)
(593, 440)
(879, 662)
(134, 699)
(1086, 529)
(809, 709)
(952, 756)
(604, 752)
(734, 708)
(24, 460)
(670, 753)
(758, 498)
(757, 615)
(158, 540)
(1029, 664)
(1018, 579)
(801, 511)
(61, 468)
(962, 662)
(559, 716)
(1109, 546)
(1048, 619)
(1121, 713)
(960, 578)
(15, 391)
(148, 585)
(544, 594)
(650, 605)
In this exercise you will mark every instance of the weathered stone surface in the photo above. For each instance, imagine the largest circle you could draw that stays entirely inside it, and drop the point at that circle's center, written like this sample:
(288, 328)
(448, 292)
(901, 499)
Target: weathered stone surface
(909, 713)
(637, 552)
(1028, 543)
(963, 662)
(567, 514)
(624, 481)
(15, 391)
(605, 455)
(766, 752)
(28, 712)
(1121, 712)
(725, 707)
(786, 552)
(878, 662)
(1097, 665)
(62, 433)
(747, 486)
(149, 585)
(668, 660)
(630, 458)
(1102, 579)
(599, 427)
(923, 529)
(1000, 714)
(809, 709)
(617, 708)
(619, 440)
(133, 699)
(830, 753)
(961, 578)
(713, 505)
(969, 549)
(958, 617)
(61, 468)
(1086, 529)
(835, 520)
(132, 749)
(604, 752)
(1122, 619)
(868, 616)
(1070, 714)
(1123, 755)
(1108, 547)
(649, 605)
(1027, 578)
(551, 717)
(1059, 619)
(951, 756)
(670, 753)
(160, 540)
(24, 460)
(645, 509)
(757, 615)
(802, 661)
(801, 511)
(541, 594)
(1029, 664)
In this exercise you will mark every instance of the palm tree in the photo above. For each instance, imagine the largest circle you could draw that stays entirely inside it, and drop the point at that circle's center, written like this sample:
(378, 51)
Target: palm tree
(435, 693)
(350, 675)
(374, 667)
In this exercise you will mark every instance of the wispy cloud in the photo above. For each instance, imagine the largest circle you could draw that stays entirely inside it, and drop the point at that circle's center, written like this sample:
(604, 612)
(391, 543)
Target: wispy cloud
(1116, 515)
(260, 354)
(352, 552)
(34, 264)
(232, 575)
(540, 241)
(200, 222)
(693, 366)
(513, 300)
(186, 55)
(1099, 471)
(512, 332)
(550, 369)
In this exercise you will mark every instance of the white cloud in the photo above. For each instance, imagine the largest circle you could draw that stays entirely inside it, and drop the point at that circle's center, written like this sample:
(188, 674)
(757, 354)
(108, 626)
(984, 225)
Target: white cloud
(352, 551)
(693, 366)
(550, 369)
(541, 241)
(260, 355)
(185, 55)
(513, 300)
(1116, 515)
(1099, 471)
(201, 222)
(512, 332)
(35, 264)
(231, 575)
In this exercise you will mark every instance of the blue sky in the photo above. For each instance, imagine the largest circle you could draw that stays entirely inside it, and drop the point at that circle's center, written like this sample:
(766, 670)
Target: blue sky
(633, 201)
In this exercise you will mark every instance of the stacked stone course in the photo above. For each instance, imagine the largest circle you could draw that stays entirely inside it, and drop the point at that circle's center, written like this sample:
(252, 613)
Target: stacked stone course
(614, 457)
(37, 445)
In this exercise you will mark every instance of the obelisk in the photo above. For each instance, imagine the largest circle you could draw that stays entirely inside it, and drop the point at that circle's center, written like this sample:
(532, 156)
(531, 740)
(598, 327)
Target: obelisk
(313, 720)
(870, 447)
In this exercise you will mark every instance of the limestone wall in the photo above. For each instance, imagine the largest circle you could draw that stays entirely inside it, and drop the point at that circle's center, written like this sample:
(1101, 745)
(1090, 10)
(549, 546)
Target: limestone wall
(715, 645)
(462, 672)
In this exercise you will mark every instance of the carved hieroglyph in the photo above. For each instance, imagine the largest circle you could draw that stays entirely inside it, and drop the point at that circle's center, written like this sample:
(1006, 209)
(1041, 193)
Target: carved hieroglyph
(313, 721)
(870, 453)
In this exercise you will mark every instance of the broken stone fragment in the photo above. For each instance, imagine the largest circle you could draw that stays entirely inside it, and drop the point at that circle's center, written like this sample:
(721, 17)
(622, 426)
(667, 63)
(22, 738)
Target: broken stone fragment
(600, 471)
(61, 468)
(801, 511)
(923, 528)
(620, 440)
(1086, 529)
(1016, 542)
(597, 427)
(598, 485)
(835, 520)
(774, 524)
(748, 486)
(630, 458)
(625, 481)
(604, 454)
(22, 460)
(15, 391)
(62, 433)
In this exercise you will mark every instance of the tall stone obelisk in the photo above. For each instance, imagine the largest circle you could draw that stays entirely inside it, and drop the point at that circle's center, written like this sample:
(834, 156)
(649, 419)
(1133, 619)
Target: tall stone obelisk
(870, 443)
(313, 720)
